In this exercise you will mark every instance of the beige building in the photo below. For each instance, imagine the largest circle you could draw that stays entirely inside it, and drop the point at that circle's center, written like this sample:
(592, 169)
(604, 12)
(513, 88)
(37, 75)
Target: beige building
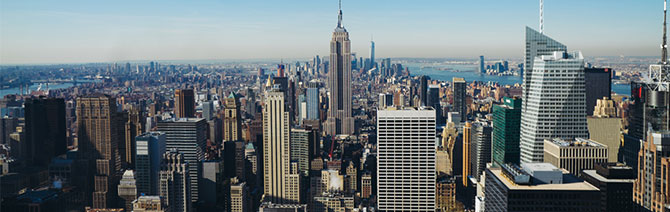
(278, 185)
(366, 185)
(574, 155)
(232, 120)
(239, 196)
(98, 137)
(150, 204)
(335, 202)
(605, 127)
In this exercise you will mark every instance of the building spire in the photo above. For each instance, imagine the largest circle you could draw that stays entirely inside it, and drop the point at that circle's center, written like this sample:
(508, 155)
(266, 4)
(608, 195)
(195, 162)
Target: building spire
(541, 16)
(664, 46)
(339, 17)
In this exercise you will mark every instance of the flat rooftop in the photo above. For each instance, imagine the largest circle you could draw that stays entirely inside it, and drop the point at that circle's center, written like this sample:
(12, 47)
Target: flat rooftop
(570, 183)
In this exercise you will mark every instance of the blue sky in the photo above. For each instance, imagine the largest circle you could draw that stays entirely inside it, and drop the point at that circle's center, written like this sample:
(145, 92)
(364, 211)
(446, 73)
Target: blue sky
(43, 31)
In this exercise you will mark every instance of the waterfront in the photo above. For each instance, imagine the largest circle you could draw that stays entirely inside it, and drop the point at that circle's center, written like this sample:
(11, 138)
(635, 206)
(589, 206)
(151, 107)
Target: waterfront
(446, 72)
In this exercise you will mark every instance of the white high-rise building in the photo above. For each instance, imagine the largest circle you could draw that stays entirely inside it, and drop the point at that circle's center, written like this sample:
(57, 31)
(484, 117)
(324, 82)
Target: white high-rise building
(406, 159)
(555, 103)
(278, 182)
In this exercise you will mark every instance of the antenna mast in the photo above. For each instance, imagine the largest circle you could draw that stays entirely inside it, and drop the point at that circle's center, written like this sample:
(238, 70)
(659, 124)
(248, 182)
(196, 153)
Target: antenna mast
(541, 16)
(664, 46)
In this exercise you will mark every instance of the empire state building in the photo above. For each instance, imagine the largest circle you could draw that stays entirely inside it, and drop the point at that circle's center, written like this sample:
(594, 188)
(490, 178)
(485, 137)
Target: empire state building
(339, 119)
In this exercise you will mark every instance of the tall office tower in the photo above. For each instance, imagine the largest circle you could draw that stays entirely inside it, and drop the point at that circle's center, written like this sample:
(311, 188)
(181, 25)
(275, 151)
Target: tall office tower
(459, 92)
(598, 85)
(7, 126)
(352, 178)
(423, 90)
(401, 132)
(150, 204)
(340, 120)
(250, 106)
(537, 44)
(188, 136)
(574, 155)
(615, 182)
(433, 100)
(480, 148)
(134, 126)
(239, 196)
(215, 130)
(232, 121)
(467, 141)
(506, 130)
(212, 186)
(313, 100)
(276, 149)
(240, 161)
(366, 185)
(149, 149)
(372, 54)
(482, 64)
(127, 190)
(208, 110)
(184, 103)
(98, 136)
(650, 190)
(555, 104)
(605, 127)
(300, 148)
(44, 130)
(537, 187)
(175, 182)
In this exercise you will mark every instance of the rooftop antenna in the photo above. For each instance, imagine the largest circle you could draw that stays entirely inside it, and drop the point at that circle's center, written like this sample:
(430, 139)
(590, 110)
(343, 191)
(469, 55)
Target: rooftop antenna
(541, 16)
(664, 46)
(339, 17)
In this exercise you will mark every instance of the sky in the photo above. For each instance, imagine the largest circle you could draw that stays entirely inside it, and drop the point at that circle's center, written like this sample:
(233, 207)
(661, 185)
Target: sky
(66, 31)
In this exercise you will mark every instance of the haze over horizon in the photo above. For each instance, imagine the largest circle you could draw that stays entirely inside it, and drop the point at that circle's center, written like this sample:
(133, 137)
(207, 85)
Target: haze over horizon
(83, 31)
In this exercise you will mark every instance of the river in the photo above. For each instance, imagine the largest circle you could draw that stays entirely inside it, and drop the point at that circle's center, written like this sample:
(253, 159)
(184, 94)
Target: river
(445, 72)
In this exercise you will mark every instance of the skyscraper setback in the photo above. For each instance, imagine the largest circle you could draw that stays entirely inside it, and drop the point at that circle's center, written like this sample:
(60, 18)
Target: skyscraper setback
(340, 120)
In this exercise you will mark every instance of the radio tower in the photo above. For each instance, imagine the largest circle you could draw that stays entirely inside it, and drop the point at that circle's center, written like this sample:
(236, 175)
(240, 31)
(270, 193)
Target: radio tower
(541, 16)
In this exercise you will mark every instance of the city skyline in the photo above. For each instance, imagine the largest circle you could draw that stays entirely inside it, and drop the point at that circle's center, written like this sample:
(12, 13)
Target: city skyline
(40, 32)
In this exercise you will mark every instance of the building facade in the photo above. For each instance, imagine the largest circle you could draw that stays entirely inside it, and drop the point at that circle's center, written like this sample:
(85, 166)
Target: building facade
(554, 104)
(340, 120)
(506, 131)
(574, 155)
(406, 160)
(150, 148)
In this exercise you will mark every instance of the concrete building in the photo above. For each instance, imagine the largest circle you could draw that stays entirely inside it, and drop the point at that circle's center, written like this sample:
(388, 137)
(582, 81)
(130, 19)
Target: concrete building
(650, 190)
(175, 184)
(184, 103)
(127, 190)
(537, 187)
(615, 182)
(574, 155)
(276, 151)
(480, 148)
(188, 136)
(150, 148)
(554, 103)
(605, 127)
(232, 119)
(98, 136)
(400, 173)
(239, 196)
(150, 204)
(459, 91)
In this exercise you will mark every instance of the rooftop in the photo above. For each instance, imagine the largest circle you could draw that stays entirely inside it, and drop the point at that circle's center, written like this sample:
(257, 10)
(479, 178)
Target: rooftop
(576, 143)
(570, 183)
